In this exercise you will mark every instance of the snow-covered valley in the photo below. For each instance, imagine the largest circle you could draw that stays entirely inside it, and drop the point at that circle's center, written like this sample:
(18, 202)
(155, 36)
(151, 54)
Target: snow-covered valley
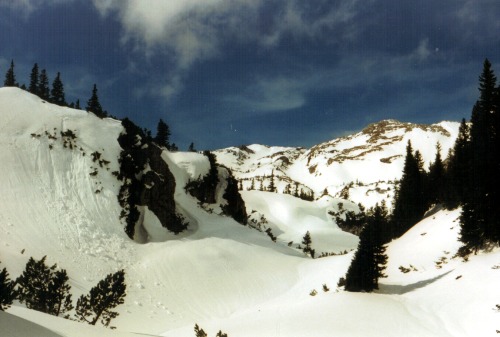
(58, 201)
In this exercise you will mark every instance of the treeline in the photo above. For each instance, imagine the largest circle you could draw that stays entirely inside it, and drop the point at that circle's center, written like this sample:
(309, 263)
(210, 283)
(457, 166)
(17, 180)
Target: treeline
(45, 288)
(296, 191)
(39, 85)
(469, 177)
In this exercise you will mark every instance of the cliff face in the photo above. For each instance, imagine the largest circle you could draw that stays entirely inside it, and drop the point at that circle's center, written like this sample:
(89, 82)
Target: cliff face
(157, 192)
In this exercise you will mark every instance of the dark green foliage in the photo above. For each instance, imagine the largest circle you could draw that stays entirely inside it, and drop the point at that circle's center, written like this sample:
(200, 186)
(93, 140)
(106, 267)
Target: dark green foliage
(410, 202)
(235, 205)
(34, 80)
(10, 77)
(57, 92)
(163, 135)
(306, 242)
(271, 187)
(480, 219)
(457, 170)
(7, 291)
(221, 334)
(370, 259)
(199, 332)
(44, 289)
(435, 189)
(93, 104)
(43, 86)
(191, 148)
(105, 296)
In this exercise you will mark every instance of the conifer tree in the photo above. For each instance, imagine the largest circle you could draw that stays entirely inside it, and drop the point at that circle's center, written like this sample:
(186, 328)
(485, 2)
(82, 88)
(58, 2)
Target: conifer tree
(105, 296)
(199, 332)
(191, 148)
(409, 204)
(57, 92)
(162, 137)
(43, 86)
(436, 180)
(60, 297)
(93, 104)
(7, 292)
(252, 185)
(370, 259)
(10, 77)
(33, 285)
(271, 187)
(44, 289)
(77, 104)
(457, 169)
(306, 242)
(34, 80)
(480, 216)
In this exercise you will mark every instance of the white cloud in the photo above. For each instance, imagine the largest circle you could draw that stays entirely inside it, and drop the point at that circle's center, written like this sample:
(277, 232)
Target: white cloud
(271, 95)
(422, 52)
(190, 31)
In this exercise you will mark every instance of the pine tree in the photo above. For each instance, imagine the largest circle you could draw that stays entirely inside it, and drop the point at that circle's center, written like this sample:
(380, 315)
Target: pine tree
(191, 148)
(10, 77)
(306, 243)
(105, 296)
(370, 259)
(436, 179)
(457, 169)
(34, 80)
(409, 204)
(93, 104)
(44, 289)
(77, 104)
(33, 285)
(271, 187)
(163, 135)
(252, 185)
(60, 297)
(479, 219)
(199, 332)
(57, 92)
(7, 292)
(43, 86)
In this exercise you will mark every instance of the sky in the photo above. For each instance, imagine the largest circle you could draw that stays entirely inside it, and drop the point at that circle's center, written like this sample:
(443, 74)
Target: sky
(278, 72)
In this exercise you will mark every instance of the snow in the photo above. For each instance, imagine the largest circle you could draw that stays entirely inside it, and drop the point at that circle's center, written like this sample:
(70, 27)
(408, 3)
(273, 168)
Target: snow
(220, 274)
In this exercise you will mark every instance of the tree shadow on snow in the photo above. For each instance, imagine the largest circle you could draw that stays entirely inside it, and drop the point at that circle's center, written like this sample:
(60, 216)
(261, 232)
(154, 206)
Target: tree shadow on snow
(396, 289)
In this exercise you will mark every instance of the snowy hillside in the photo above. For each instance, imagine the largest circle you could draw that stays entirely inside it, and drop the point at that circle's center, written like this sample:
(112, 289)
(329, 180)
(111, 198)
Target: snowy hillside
(365, 164)
(58, 201)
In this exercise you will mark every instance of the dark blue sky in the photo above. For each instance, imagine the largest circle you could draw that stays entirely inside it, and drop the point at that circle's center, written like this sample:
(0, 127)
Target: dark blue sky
(278, 72)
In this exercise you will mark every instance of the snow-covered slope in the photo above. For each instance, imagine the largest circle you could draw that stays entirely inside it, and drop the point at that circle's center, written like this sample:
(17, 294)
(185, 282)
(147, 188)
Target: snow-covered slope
(365, 164)
(57, 201)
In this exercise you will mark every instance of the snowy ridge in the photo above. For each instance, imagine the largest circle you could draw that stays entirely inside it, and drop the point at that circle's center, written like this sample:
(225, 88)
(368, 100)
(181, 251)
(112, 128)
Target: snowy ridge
(367, 162)
(220, 274)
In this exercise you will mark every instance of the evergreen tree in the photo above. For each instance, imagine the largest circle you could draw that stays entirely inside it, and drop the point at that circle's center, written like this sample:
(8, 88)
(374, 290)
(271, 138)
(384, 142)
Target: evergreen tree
(252, 185)
(60, 297)
(34, 285)
(199, 332)
(7, 292)
(43, 86)
(409, 204)
(480, 216)
(191, 148)
(44, 289)
(457, 169)
(77, 105)
(93, 104)
(436, 179)
(306, 243)
(105, 296)
(271, 187)
(10, 77)
(57, 92)
(370, 259)
(163, 135)
(34, 80)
